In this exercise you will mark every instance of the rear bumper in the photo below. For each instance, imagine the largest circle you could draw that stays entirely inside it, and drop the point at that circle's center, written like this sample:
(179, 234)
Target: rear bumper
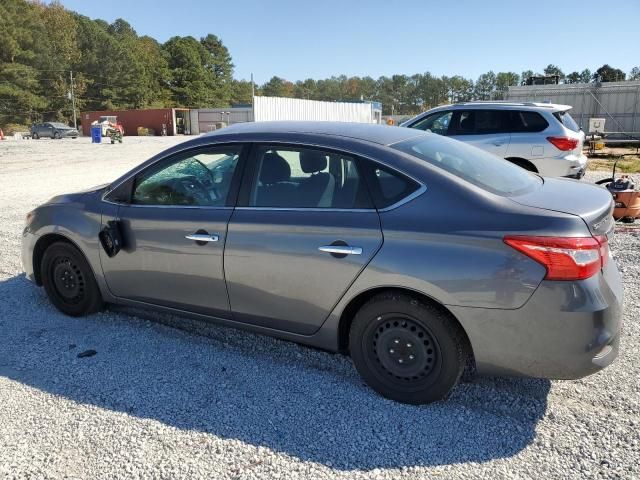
(571, 166)
(566, 330)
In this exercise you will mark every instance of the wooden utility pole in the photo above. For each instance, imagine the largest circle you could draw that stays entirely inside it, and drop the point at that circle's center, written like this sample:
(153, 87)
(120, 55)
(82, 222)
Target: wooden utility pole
(73, 101)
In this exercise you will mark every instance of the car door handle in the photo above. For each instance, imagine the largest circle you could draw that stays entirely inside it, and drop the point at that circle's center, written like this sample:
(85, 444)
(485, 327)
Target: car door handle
(341, 249)
(202, 237)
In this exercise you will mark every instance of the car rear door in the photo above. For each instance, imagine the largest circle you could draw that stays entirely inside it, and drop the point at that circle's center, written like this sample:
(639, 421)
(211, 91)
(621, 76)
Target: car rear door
(174, 226)
(481, 128)
(302, 232)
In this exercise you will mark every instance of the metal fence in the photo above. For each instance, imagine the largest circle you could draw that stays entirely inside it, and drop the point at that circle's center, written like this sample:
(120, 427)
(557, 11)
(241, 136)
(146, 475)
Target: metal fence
(617, 102)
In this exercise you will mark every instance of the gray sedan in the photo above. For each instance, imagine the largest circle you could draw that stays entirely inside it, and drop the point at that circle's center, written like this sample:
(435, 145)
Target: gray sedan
(53, 130)
(418, 255)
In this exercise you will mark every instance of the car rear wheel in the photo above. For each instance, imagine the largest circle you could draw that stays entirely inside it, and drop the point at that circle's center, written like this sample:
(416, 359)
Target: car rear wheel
(407, 350)
(69, 281)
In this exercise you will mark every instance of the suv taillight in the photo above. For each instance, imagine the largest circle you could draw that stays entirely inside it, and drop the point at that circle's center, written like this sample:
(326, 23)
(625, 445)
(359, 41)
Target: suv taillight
(563, 143)
(565, 258)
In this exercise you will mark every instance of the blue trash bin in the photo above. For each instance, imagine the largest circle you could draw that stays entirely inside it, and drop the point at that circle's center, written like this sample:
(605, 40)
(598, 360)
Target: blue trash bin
(96, 134)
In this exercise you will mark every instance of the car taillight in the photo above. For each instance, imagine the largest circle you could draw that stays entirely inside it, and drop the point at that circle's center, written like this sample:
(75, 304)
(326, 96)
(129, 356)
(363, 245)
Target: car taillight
(564, 143)
(565, 258)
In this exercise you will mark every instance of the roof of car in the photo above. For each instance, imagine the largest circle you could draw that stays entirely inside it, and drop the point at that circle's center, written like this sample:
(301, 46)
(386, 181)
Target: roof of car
(508, 105)
(380, 134)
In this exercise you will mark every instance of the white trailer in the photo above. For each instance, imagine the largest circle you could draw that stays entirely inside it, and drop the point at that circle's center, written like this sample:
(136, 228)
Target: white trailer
(279, 108)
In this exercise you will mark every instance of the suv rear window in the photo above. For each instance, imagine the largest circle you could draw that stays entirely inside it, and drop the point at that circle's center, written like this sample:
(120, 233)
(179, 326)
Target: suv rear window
(567, 120)
(476, 166)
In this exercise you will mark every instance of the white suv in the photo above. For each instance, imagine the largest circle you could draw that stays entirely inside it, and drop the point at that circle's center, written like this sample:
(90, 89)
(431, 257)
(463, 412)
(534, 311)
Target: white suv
(541, 137)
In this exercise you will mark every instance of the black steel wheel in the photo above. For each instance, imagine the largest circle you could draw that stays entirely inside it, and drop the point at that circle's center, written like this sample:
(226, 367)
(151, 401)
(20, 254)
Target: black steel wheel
(69, 281)
(406, 350)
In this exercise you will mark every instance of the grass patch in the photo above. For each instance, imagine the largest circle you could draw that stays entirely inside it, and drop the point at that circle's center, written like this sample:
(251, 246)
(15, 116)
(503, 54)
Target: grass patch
(625, 164)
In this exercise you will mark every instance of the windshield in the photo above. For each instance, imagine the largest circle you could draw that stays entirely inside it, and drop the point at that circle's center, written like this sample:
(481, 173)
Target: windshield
(476, 166)
(59, 125)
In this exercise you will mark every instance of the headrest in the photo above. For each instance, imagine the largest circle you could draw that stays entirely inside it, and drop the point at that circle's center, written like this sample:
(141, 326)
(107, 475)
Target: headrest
(312, 161)
(274, 169)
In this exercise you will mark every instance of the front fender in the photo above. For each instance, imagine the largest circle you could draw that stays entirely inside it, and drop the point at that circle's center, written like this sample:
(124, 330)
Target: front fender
(77, 222)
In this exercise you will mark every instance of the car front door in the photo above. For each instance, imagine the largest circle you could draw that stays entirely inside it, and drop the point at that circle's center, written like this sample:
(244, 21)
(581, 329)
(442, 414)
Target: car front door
(174, 228)
(303, 230)
(485, 129)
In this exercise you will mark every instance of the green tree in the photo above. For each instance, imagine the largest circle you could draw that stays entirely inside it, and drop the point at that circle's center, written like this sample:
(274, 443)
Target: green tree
(278, 87)
(241, 92)
(634, 74)
(20, 93)
(190, 82)
(585, 76)
(504, 80)
(217, 62)
(573, 77)
(485, 86)
(554, 70)
(607, 73)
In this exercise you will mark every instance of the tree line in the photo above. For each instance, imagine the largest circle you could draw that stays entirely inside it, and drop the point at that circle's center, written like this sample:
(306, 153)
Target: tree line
(48, 52)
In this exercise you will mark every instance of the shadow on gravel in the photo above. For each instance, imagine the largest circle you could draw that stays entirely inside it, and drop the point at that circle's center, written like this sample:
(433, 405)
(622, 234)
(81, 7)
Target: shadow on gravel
(304, 403)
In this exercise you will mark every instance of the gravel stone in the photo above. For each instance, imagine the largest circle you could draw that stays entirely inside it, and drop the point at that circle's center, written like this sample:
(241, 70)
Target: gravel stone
(174, 398)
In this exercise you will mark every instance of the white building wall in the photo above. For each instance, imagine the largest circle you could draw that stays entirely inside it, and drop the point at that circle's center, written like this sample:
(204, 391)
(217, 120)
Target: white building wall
(278, 108)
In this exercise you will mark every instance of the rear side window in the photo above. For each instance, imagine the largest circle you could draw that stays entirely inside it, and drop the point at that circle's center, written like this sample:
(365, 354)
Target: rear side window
(388, 187)
(567, 120)
(477, 122)
(525, 121)
(471, 164)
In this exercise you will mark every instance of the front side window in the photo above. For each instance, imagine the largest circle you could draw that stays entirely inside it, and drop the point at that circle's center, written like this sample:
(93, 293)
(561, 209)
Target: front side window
(201, 178)
(435, 123)
(473, 165)
(307, 178)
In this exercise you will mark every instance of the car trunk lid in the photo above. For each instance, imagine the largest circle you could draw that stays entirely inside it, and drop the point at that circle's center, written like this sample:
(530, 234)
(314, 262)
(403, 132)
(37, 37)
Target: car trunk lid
(591, 203)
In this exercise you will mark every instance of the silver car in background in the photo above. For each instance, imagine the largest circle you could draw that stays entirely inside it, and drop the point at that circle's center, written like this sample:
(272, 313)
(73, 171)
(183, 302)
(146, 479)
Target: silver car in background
(347, 237)
(540, 137)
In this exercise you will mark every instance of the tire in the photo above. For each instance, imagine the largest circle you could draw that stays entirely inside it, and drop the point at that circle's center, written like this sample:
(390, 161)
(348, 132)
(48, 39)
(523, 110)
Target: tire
(69, 280)
(629, 220)
(56, 135)
(430, 355)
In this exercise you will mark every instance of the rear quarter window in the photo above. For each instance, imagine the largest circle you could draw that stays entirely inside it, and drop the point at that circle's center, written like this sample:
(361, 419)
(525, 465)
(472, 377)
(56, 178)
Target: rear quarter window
(388, 186)
(567, 120)
(526, 121)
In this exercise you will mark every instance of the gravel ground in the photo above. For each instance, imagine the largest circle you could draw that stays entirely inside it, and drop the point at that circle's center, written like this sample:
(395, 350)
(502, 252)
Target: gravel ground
(205, 401)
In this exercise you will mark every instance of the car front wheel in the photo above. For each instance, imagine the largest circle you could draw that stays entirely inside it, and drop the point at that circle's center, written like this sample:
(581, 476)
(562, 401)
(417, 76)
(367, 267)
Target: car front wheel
(56, 135)
(407, 350)
(69, 281)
